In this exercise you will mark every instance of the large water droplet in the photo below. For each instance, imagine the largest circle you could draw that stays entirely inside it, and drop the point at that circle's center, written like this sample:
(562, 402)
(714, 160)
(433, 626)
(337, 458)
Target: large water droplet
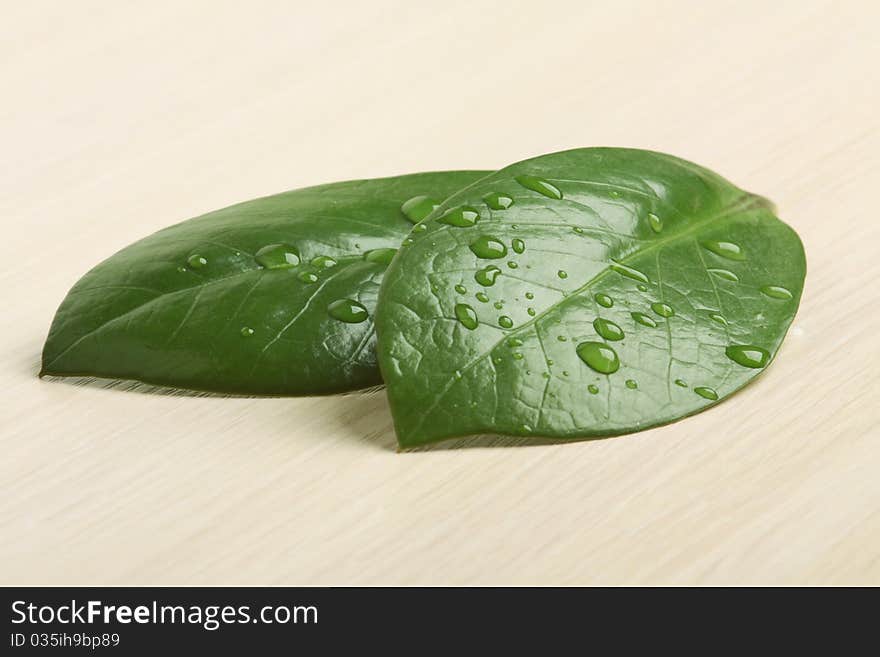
(724, 274)
(706, 393)
(629, 272)
(467, 316)
(727, 250)
(462, 217)
(518, 245)
(505, 322)
(348, 310)
(604, 300)
(308, 277)
(748, 355)
(540, 185)
(323, 262)
(498, 201)
(608, 329)
(776, 292)
(599, 356)
(417, 208)
(196, 261)
(380, 256)
(655, 222)
(662, 309)
(486, 246)
(644, 320)
(487, 275)
(277, 256)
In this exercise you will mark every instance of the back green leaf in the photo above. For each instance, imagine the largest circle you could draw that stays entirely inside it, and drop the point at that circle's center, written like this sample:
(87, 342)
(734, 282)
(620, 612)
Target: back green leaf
(600, 291)
(273, 296)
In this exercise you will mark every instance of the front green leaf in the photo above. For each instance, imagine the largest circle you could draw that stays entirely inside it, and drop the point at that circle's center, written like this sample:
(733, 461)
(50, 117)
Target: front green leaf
(272, 296)
(600, 291)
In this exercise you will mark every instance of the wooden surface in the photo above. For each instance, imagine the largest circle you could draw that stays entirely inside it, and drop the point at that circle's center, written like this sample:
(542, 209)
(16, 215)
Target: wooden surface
(121, 118)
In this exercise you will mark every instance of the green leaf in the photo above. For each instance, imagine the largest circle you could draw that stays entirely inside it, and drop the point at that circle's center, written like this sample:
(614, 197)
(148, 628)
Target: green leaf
(272, 296)
(614, 290)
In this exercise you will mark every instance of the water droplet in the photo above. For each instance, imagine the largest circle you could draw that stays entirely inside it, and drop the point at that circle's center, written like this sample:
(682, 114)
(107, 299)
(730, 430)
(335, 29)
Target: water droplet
(348, 310)
(706, 393)
(463, 217)
(562, 338)
(308, 277)
(467, 316)
(727, 250)
(417, 208)
(487, 275)
(482, 296)
(181, 269)
(277, 256)
(525, 428)
(578, 230)
(641, 288)
(512, 264)
(608, 329)
(631, 384)
(724, 274)
(662, 309)
(540, 185)
(517, 356)
(644, 320)
(562, 273)
(529, 295)
(531, 312)
(715, 317)
(498, 305)
(614, 193)
(196, 261)
(461, 289)
(518, 245)
(599, 356)
(565, 373)
(505, 322)
(514, 342)
(457, 374)
(748, 355)
(380, 256)
(323, 262)
(498, 201)
(681, 383)
(246, 331)
(776, 292)
(629, 272)
(546, 375)
(655, 221)
(549, 362)
(407, 241)
(486, 246)
(419, 228)
(604, 300)
(594, 389)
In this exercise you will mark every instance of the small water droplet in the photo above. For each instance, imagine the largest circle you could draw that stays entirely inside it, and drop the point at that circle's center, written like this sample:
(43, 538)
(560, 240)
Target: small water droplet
(514, 342)
(518, 356)
(706, 393)
(604, 300)
(418, 207)
(578, 230)
(644, 320)
(277, 256)
(565, 373)
(498, 201)
(380, 256)
(655, 222)
(641, 288)
(323, 262)
(407, 241)
(562, 338)
(498, 305)
(462, 217)
(540, 185)
(599, 356)
(246, 331)
(467, 316)
(461, 289)
(482, 296)
(348, 310)
(196, 261)
(181, 269)
(486, 246)
(518, 245)
(631, 384)
(629, 272)
(776, 292)
(419, 228)
(681, 383)
(549, 362)
(457, 374)
(525, 428)
(608, 329)
(715, 317)
(748, 355)
(505, 322)
(531, 311)
(308, 277)
(662, 309)
(724, 274)
(512, 264)
(727, 250)
(546, 375)
(614, 193)
(594, 389)
(487, 275)
(562, 273)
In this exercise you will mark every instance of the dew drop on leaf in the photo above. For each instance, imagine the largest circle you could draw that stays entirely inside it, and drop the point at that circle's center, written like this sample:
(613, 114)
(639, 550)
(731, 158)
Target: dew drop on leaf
(498, 305)
(727, 250)
(562, 273)
(604, 300)
(655, 222)
(347, 310)
(540, 185)
(467, 316)
(196, 261)
(512, 264)
(323, 262)
(514, 342)
(417, 208)
(486, 246)
(487, 275)
(724, 274)
(482, 296)
(277, 256)
(644, 320)
(380, 256)
(681, 383)
(461, 289)
(629, 272)
(594, 389)
(599, 356)
(518, 245)
(662, 309)
(246, 331)
(631, 384)
(748, 355)
(706, 393)
(461, 217)
(505, 322)
(715, 317)
(308, 277)
(498, 201)
(531, 312)
(776, 292)
(608, 329)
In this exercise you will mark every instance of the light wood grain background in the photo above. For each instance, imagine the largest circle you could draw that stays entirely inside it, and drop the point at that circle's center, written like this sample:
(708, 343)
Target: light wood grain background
(120, 118)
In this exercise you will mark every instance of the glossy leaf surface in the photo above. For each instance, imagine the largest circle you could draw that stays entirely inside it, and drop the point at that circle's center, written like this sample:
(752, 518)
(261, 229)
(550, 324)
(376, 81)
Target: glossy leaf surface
(599, 291)
(271, 296)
